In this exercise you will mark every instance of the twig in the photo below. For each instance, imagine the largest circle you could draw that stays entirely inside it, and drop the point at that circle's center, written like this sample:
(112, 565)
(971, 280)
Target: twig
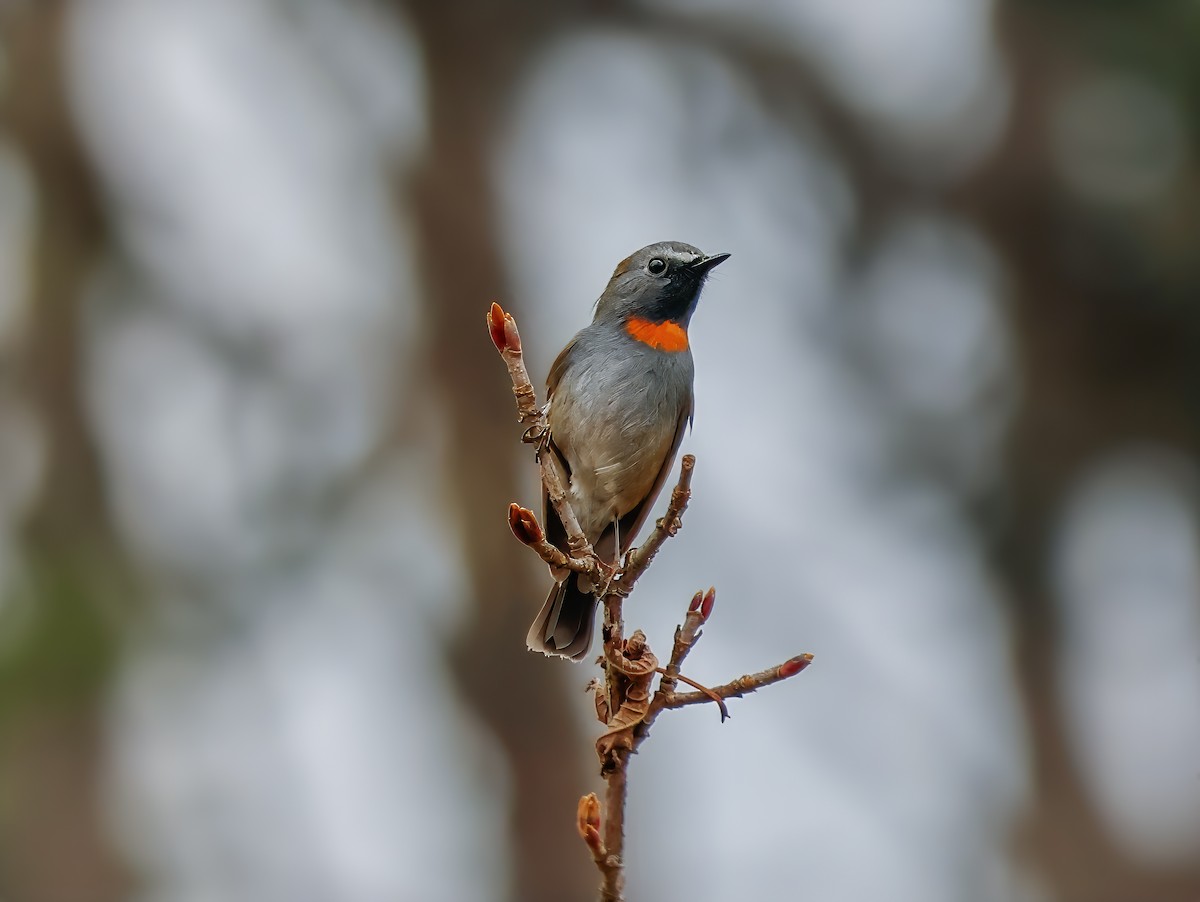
(524, 525)
(637, 561)
(704, 690)
(507, 339)
(668, 525)
(743, 685)
(588, 825)
(698, 612)
(630, 668)
(616, 790)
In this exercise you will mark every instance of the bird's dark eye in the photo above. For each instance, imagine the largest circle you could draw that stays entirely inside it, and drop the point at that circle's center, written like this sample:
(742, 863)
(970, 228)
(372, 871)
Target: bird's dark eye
(656, 265)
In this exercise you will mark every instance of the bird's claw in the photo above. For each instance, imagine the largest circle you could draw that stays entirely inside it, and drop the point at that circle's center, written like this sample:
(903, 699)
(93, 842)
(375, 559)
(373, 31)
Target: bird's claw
(613, 571)
(536, 434)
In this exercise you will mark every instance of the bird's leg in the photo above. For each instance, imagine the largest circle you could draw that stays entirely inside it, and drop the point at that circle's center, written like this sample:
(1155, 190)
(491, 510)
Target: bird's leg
(716, 698)
(538, 434)
(614, 567)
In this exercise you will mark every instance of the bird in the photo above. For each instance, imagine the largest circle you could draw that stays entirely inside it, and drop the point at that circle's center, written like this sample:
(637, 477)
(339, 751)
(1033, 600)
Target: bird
(620, 397)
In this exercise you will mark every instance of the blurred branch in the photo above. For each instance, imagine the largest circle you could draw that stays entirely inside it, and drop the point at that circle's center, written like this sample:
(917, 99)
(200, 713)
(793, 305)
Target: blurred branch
(471, 55)
(625, 700)
(73, 579)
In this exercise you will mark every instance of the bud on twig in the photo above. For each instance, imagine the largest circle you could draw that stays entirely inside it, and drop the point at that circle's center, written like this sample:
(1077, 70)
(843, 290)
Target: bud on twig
(706, 606)
(587, 822)
(512, 338)
(589, 812)
(524, 525)
(497, 318)
(793, 666)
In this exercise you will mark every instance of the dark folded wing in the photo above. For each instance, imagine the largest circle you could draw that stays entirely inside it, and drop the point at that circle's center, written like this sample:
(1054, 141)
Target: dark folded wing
(556, 533)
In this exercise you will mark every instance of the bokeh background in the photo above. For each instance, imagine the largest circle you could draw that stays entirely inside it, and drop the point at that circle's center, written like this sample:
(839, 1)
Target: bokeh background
(261, 619)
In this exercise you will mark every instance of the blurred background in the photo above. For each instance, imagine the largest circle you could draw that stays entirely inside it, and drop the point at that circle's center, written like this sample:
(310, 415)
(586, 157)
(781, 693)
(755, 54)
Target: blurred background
(261, 619)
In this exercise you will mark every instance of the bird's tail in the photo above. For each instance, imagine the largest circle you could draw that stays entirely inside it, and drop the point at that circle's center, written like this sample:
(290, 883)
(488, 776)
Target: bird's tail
(564, 625)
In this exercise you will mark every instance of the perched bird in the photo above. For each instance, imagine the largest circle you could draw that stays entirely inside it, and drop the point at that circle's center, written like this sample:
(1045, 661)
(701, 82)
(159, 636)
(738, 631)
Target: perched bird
(620, 395)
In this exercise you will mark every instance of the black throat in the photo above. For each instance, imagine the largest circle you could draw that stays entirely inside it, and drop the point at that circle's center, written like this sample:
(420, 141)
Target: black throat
(676, 302)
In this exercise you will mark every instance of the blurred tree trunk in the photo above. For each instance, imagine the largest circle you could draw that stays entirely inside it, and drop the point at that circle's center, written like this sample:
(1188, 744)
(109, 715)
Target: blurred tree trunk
(1102, 364)
(52, 840)
(472, 51)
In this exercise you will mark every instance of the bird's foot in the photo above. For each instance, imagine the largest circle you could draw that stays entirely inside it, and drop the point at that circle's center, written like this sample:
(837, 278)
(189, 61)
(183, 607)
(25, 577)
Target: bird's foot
(611, 571)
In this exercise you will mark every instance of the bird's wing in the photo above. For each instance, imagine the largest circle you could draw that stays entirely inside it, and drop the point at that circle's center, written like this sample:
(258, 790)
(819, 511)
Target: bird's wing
(557, 368)
(556, 533)
(633, 521)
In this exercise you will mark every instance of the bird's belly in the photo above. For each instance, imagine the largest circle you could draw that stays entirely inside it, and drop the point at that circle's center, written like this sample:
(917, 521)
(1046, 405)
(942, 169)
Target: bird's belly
(614, 465)
(614, 417)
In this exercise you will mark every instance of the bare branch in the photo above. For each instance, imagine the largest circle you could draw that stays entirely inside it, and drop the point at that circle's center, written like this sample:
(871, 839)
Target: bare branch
(670, 524)
(588, 824)
(616, 790)
(639, 560)
(698, 612)
(743, 685)
(503, 329)
(631, 668)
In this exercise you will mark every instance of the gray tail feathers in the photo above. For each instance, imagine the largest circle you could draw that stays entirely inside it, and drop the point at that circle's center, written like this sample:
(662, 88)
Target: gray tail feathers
(565, 624)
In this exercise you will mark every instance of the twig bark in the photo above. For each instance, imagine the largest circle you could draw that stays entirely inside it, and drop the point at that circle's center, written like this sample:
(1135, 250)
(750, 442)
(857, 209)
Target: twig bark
(743, 685)
(636, 563)
(507, 339)
(625, 702)
(616, 790)
(667, 526)
(588, 825)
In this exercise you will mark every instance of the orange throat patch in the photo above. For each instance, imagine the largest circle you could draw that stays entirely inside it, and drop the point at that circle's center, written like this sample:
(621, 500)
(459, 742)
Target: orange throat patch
(666, 336)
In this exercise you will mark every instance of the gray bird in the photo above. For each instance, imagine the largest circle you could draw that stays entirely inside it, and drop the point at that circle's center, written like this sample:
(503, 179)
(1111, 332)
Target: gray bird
(620, 395)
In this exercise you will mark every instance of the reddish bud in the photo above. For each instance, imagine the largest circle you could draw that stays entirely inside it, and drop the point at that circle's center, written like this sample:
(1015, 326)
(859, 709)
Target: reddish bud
(695, 605)
(707, 604)
(587, 817)
(524, 525)
(512, 338)
(793, 666)
(496, 319)
(591, 836)
(531, 525)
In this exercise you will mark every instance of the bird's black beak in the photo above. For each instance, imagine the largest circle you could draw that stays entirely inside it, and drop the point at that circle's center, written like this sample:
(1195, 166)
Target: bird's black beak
(704, 264)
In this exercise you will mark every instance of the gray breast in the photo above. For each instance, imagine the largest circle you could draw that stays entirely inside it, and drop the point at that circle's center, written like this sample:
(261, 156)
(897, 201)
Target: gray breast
(614, 415)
